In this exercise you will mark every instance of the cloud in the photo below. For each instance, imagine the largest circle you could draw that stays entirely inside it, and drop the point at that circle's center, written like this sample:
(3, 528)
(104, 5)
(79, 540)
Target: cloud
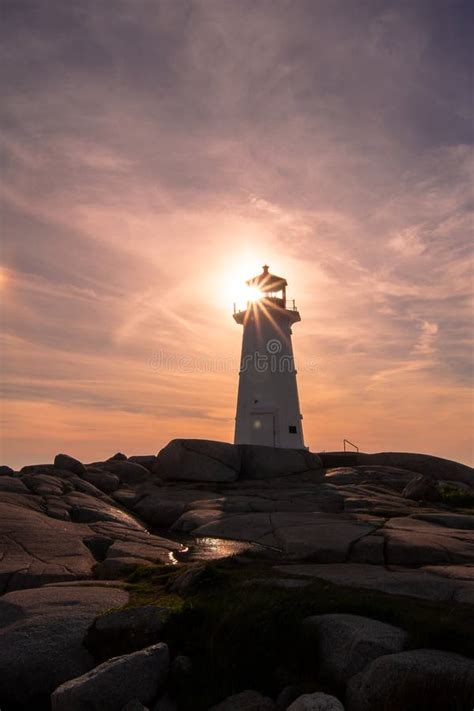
(407, 242)
(425, 344)
(157, 153)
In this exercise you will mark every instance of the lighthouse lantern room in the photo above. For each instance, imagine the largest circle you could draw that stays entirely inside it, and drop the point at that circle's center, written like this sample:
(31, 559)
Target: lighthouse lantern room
(268, 411)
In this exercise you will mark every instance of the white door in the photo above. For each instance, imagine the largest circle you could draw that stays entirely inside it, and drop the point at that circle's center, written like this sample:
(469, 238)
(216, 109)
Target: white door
(262, 428)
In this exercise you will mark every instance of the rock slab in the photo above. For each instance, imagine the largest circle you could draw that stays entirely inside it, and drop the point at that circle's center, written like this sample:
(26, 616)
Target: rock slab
(346, 644)
(111, 685)
(422, 679)
(41, 633)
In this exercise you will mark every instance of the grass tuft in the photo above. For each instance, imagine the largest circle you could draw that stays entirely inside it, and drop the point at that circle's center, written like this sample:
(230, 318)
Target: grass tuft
(453, 496)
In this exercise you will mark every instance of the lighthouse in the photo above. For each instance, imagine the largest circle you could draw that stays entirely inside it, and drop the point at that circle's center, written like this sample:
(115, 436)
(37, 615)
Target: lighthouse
(268, 410)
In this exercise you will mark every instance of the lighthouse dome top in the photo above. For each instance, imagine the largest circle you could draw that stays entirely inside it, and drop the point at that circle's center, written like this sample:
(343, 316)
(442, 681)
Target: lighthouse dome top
(267, 282)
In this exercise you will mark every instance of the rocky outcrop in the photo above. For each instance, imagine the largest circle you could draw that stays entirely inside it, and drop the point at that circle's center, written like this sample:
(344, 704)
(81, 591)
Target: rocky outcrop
(316, 702)
(41, 634)
(64, 461)
(163, 507)
(146, 460)
(6, 471)
(114, 683)
(80, 527)
(38, 549)
(422, 488)
(127, 472)
(205, 460)
(245, 701)
(266, 462)
(57, 526)
(105, 481)
(198, 460)
(345, 644)
(412, 542)
(437, 467)
(12, 486)
(423, 679)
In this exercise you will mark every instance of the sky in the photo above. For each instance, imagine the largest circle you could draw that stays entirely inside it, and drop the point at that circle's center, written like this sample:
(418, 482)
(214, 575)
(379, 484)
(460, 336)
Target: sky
(155, 154)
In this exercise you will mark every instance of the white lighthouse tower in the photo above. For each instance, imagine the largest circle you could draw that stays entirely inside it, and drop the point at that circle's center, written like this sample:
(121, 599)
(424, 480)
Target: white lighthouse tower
(268, 411)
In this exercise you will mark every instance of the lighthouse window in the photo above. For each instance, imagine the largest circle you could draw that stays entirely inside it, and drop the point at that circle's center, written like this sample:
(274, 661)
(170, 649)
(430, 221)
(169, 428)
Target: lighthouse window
(292, 429)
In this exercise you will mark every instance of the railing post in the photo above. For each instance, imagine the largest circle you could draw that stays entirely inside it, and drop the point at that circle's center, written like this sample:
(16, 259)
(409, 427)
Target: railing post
(346, 441)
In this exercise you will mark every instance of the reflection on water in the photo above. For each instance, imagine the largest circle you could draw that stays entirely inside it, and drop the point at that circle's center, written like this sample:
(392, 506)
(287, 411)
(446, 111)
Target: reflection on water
(206, 548)
(212, 549)
(174, 555)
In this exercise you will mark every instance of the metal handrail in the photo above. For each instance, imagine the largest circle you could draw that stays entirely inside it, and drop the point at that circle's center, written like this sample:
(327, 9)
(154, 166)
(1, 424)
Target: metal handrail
(346, 441)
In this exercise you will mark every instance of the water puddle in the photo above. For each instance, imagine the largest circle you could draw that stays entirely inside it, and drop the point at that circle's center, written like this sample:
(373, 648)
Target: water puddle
(206, 549)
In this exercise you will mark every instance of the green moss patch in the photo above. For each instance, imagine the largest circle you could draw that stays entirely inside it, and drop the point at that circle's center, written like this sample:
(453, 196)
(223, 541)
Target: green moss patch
(456, 497)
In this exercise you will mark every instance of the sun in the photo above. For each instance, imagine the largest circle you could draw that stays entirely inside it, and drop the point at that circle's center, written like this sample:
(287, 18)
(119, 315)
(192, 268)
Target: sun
(242, 294)
(229, 288)
(252, 293)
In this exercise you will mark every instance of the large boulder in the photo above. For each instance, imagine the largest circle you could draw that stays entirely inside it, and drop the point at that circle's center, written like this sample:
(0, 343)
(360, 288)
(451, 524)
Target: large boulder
(245, 701)
(146, 460)
(13, 485)
(422, 679)
(422, 488)
(162, 508)
(46, 469)
(260, 462)
(105, 481)
(345, 644)
(160, 511)
(64, 461)
(128, 472)
(46, 485)
(198, 460)
(41, 634)
(114, 683)
(316, 702)
(206, 460)
(437, 467)
(4, 470)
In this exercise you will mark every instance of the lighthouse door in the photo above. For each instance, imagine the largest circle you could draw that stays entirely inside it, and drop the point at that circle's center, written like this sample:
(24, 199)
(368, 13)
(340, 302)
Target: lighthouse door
(262, 430)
